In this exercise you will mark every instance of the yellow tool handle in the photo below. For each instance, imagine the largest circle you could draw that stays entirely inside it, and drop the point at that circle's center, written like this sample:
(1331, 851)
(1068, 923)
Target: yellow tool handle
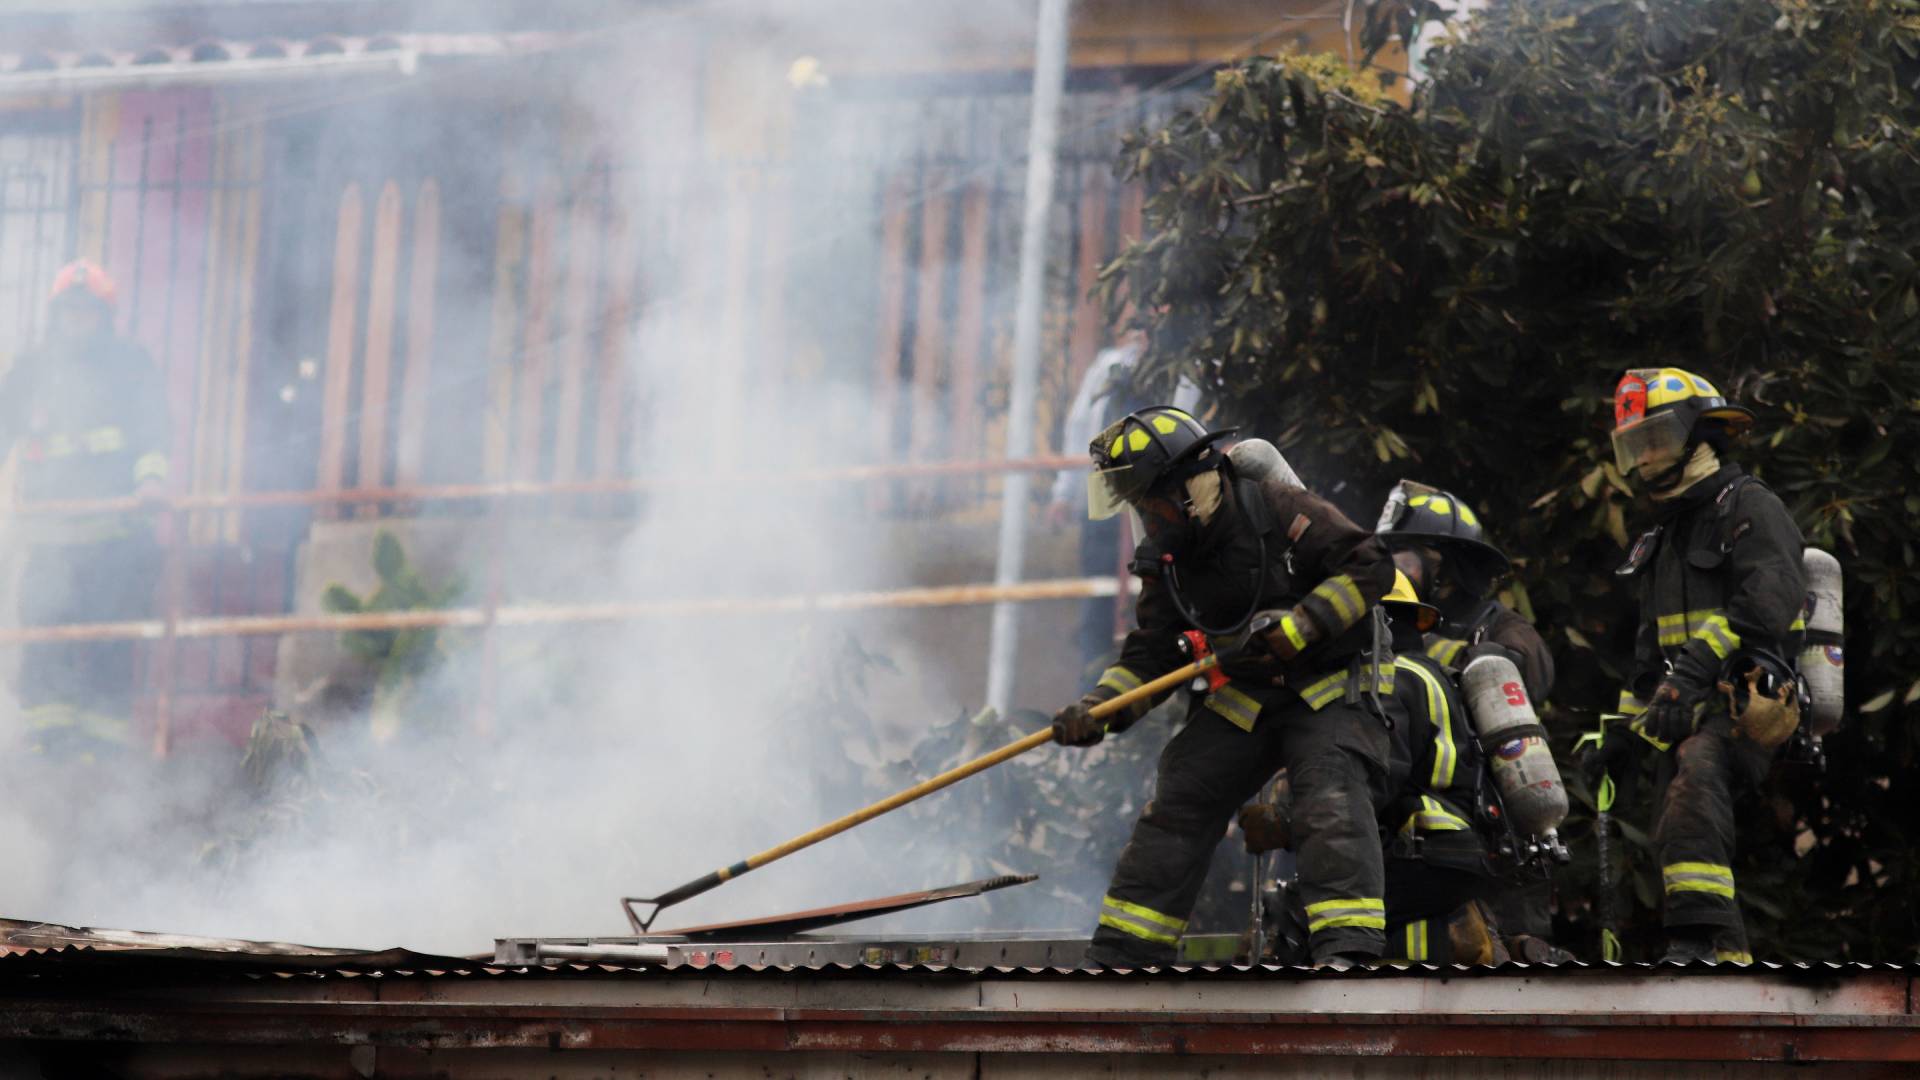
(927, 787)
(958, 773)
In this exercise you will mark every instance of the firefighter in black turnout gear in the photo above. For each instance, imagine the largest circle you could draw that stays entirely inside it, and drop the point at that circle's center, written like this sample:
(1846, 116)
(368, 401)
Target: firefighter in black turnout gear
(1437, 857)
(1438, 542)
(87, 409)
(1722, 592)
(1284, 587)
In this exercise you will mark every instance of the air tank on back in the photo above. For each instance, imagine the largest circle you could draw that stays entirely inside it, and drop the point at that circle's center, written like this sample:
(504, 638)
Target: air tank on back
(1523, 766)
(1823, 660)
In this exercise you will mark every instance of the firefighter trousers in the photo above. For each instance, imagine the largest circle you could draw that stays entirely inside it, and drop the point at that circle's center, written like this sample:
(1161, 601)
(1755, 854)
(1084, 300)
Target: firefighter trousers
(1694, 833)
(1336, 768)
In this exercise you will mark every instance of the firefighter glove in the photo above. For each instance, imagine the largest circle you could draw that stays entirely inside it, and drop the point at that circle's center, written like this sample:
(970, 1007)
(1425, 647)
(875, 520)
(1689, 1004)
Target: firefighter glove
(1618, 756)
(1671, 711)
(1265, 828)
(1076, 725)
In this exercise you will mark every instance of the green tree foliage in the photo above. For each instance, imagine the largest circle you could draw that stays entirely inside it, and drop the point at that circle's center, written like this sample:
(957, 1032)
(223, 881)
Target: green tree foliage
(1449, 290)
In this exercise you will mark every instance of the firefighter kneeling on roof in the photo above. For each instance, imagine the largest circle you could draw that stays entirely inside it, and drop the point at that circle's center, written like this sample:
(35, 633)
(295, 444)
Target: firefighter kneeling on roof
(1470, 787)
(1285, 588)
(1721, 588)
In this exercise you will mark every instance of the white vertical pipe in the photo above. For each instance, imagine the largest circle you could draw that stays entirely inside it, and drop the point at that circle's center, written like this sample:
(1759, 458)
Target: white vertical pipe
(1049, 80)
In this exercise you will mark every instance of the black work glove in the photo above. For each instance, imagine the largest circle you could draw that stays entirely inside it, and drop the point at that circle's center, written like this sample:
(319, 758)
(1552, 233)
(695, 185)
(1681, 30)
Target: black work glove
(1618, 756)
(1265, 828)
(1076, 725)
(1670, 711)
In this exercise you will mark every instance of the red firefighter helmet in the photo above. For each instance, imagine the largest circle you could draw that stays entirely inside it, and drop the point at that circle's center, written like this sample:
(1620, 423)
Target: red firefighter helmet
(84, 274)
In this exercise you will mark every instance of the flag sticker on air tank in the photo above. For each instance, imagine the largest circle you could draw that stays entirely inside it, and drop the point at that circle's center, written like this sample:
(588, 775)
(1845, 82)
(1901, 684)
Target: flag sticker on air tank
(1522, 764)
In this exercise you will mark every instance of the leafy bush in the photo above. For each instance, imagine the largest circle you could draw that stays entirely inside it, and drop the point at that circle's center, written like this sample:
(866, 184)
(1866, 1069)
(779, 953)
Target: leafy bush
(1449, 290)
(400, 658)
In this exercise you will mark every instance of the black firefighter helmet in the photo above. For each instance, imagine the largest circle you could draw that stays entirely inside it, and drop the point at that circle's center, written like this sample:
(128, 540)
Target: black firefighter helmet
(1417, 515)
(1145, 453)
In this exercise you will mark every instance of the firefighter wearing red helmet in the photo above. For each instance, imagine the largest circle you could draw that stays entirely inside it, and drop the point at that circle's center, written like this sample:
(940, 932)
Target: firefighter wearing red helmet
(1722, 592)
(86, 410)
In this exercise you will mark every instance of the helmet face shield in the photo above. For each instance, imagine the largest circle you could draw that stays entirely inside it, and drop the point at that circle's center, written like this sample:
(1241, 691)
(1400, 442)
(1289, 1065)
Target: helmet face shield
(1108, 491)
(1651, 444)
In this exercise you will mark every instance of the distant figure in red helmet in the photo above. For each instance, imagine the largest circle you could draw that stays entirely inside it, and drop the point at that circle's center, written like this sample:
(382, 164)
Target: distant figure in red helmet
(87, 411)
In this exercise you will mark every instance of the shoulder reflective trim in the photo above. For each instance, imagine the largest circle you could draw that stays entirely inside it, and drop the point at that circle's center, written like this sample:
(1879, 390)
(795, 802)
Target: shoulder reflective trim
(1446, 650)
(1238, 709)
(1445, 755)
(1343, 596)
(1119, 680)
(1698, 877)
(1291, 629)
(1142, 912)
(150, 467)
(1368, 912)
(1417, 940)
(1730, 956)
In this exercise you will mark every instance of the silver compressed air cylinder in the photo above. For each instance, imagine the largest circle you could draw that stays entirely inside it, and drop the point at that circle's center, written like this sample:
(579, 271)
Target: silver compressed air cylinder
(1260, 460)
(1516, 745)
(1823, 662)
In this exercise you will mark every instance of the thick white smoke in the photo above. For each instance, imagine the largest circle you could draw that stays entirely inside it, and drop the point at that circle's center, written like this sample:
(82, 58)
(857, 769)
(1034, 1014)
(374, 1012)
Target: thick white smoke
(626, 757)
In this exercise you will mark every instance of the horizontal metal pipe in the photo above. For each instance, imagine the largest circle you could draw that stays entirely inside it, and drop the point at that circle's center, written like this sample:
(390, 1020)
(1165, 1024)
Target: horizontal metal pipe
(557, 614)
(626, 954)
(469, 492)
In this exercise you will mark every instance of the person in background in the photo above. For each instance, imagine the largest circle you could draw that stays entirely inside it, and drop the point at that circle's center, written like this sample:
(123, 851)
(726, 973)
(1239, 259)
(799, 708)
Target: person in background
(86, 410)
(1105, 392)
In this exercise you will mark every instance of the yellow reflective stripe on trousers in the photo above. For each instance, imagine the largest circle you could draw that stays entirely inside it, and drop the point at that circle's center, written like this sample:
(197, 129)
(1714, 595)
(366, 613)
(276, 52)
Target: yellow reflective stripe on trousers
(1445, 755)
(1141, 922)
(1344, 597)
(1119, 680)
(1369, 912)
(1328, 689)
(1417, 940)
(1698, 877)
(1446, 650)
(1239, 709)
